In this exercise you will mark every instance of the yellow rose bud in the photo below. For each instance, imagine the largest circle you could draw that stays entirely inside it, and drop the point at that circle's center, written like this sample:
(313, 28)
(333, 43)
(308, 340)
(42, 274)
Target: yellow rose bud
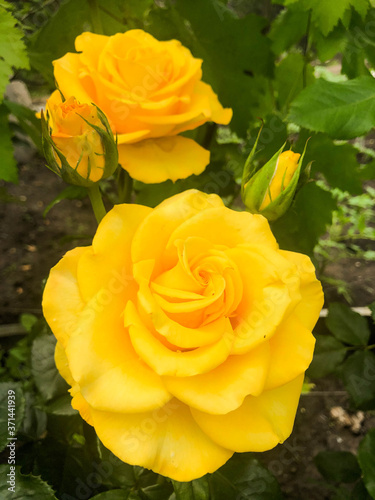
(270, 189)
(286, 165)
(151, 91)
(184, 333)
(77, 141)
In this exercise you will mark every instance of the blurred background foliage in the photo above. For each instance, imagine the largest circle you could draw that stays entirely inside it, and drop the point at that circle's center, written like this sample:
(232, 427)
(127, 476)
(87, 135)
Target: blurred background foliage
(306, 69)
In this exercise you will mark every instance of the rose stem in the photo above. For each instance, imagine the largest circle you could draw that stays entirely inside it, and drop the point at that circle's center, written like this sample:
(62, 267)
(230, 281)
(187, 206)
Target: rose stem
(125, 186)
(96, 202)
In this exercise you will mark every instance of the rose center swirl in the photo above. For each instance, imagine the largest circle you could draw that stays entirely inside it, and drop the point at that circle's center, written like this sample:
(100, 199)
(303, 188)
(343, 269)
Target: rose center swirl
(203, 285)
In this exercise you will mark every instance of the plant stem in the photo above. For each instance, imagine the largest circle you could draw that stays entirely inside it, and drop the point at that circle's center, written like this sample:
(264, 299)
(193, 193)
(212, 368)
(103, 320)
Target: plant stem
(97, 202)
(125, 186)
(95, 16)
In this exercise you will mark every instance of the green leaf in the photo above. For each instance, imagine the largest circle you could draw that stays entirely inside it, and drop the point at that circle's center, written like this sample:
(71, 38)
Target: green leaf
(358, 375)
(337, 162)
(8, 166)
(193, 490)
(372, 309)
(27, 120)
(343, 110)
(328, 355)
(289, 78)
(300, 228)
(25, 487)
(69, 193)
(12, 48)
(28, 321)
(288, 29)
(327, 14)
(243, 477)
(121, 474)
(360, 492)
(237, 57)
(366, 459)
(347, 325)
(12, 409)
(62, 406)
(47, 379)
(328, 46)
(56, 38)
(116, 495)
(338, 466)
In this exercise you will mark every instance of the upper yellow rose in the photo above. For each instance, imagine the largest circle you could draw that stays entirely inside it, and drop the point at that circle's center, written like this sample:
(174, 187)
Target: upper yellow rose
(184, 332)
(150, 91)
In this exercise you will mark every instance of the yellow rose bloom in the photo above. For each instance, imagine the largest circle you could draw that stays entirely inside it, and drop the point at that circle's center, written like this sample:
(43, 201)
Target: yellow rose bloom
(151, 91)
(184, 332)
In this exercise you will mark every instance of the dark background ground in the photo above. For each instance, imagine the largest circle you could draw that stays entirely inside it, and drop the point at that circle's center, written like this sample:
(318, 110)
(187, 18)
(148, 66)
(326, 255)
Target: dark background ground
(31, 244)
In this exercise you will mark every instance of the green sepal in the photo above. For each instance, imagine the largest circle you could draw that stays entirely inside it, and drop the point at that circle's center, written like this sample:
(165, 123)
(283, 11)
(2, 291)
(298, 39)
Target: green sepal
(250, 168)
(256, 188)
(108, 141)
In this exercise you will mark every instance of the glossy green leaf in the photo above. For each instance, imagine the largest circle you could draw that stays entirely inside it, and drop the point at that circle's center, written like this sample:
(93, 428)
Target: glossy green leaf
(337, 162)
(8, 166)
(358, 375)
(328, 355)
(12, 409)
(343, 110)
(291, 76)
(306, 220)
(47, 379)
(366, 459)
(338, 466)
(25, 487)
(193, 490)
(347, 325)
(288, 29)
(12, 48)
(326, 15)
(243, 477)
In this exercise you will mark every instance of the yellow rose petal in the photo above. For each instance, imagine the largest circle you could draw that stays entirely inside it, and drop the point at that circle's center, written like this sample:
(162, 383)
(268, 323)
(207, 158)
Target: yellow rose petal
(67, 70)
(222, 226)
(152, 236)
(167, 440)
(224, 388)
(62, 314)
(292, 349)
(312, 301)
(104, 364)
(174, 332)
(164, 361)
(107, 265)
(156, 160)
(62, 364)
(79, 403)
(259, 424)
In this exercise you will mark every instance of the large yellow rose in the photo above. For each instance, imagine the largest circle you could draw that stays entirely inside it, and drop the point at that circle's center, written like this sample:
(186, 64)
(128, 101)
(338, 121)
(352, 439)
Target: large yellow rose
(184, 332)
(150, 91)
